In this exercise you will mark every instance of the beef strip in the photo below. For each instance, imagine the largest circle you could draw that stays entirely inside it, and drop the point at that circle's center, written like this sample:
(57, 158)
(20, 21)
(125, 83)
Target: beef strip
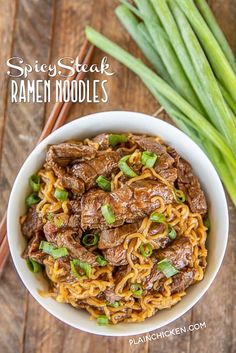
(110, 238)
(129, 203)
(179, 253)
(189, 184)
(65, 153)
(76, 250)
(32, 223)
(32, 249)
(111, 296)
(116, 256)
(59, 223)
(180, 281)
(74, 206)
(104, 164)
(102, 140)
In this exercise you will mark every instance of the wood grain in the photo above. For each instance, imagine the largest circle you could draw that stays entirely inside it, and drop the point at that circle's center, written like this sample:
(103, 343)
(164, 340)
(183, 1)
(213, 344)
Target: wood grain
(47, 30)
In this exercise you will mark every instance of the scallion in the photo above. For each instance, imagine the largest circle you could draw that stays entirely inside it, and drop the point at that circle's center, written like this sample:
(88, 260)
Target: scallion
(33, 266)
(146, 249)
(136, 289)
(148, 159)
(125, 168)
(103, 183)
(171, 232)
(167, 268)
(101, 260)
(117, 139)
(108, 214)
(32, 199)
(114, 304)
(49, 249)
(179, 196)
(158, 217)
(84, 266)
(90, 239)
(102, 320)
(60, 194)
(34, 182)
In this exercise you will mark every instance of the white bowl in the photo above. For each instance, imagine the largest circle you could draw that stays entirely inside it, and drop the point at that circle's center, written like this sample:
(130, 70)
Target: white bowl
(118, 121)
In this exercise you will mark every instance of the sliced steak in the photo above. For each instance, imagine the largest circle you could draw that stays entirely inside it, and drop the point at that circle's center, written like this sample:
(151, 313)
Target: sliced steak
(32, 251)
(104, 164)
(110, 238)
(179, 253)
(111, 296)
(129, 203)
(74, 206)
(65, 153)
(116, 256)
(189, 184)
(180, 281)
(74, 247)
(102, 140)
(32, 223)
(59, 223)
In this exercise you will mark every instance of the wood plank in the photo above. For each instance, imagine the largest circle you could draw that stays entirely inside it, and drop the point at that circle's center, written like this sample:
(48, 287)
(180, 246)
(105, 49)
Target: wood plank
(22, 126)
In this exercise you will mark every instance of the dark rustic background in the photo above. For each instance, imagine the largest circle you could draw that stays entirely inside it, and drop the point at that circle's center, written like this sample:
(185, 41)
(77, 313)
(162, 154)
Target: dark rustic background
(46, 30)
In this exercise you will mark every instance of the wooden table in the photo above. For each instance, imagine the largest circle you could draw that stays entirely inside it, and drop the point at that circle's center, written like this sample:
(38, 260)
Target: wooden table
(47, 30)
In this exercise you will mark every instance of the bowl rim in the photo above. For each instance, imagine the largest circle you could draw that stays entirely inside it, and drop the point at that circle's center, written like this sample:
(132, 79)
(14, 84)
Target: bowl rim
(13, 248)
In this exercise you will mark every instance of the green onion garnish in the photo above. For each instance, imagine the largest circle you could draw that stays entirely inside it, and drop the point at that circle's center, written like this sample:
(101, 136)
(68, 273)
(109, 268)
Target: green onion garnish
(179, 196)
(158, 217)
(32, 199)
(49, 249)
(60, 194)
(125, 168)
(33, 266)
(73, 269)
(116, 139)
(146, 250)
(167, 268)
(34, 182)
(58, 222)
(114, 304)
(108, 214)
(136, 289)
(85, 267)
(171, 232)
(90, 239)
(102, 320)
(101, 260)
(103, 183)
(207, 223)
(148, 159)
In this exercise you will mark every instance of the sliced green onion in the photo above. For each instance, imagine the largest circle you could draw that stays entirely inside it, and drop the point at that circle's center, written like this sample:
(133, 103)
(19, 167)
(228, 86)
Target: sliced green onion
(125, 168)
(102, 320)
(101, 260)
(60, 194)
(146, 249)
(116, 139)
(148, 159)
(34, 182)
(179, 196)
(114, 304)
(90, 239)
(103, 183)
(73, 269)
(49, 249)
(171, 232)
(207, 223)
(58, 222)
(136, 289)
(158, 217)
(167, 268)
(108, 214)
(85, 267)
(33, 266)
(32, 199)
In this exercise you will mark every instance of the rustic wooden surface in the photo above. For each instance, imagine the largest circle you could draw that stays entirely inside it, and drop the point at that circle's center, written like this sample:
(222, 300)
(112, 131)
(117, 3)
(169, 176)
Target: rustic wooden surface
(46, 30)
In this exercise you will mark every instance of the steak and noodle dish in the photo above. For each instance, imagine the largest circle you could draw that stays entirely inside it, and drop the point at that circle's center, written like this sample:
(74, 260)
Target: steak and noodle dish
(117, 224)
